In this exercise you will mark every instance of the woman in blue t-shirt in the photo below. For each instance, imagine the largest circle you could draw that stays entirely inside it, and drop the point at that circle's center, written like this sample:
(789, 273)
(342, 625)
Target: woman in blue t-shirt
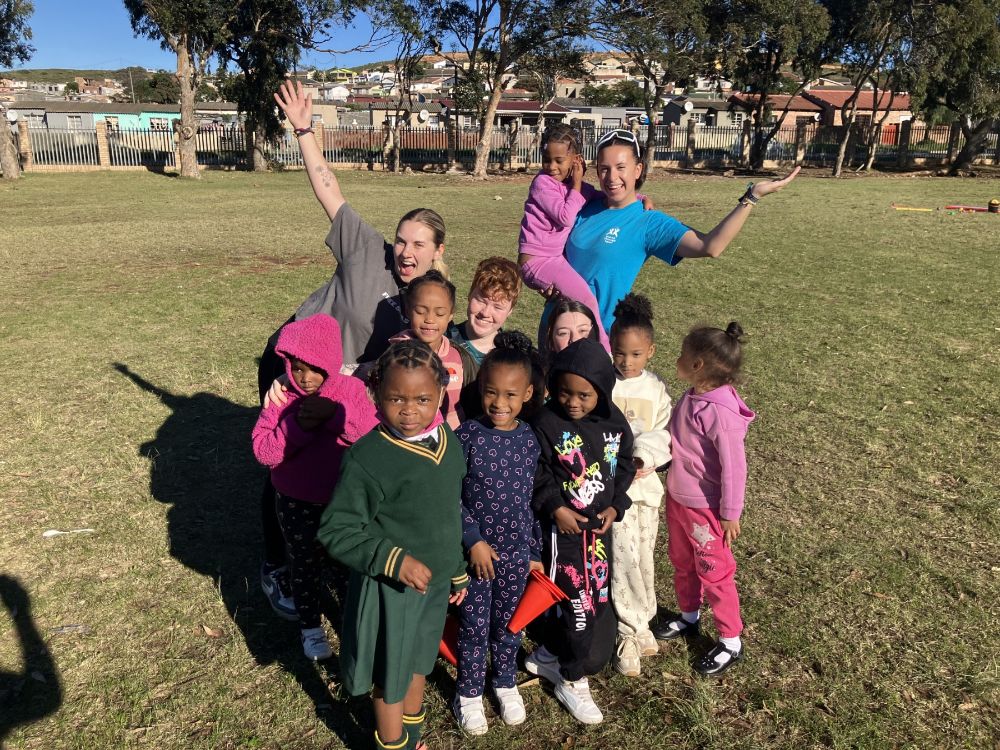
(613, 238)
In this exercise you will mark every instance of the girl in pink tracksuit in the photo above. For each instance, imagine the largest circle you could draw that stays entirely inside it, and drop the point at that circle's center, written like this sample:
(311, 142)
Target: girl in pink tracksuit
(302, 441)
(705, 487)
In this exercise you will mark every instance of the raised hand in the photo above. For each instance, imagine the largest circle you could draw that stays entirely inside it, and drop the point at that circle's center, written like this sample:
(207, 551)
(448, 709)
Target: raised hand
(295, 103)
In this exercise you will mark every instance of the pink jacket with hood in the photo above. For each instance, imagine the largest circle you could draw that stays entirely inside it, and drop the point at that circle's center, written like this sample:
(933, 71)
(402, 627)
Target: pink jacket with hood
(305, 465)
(709, 468)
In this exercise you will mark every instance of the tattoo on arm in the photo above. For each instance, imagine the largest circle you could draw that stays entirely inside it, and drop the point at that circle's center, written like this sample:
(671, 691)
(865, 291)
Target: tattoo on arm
(324, 175)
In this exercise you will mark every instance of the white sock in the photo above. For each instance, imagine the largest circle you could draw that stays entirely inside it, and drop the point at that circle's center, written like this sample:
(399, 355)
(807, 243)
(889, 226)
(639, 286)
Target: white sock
(733, 644)
(691, 617)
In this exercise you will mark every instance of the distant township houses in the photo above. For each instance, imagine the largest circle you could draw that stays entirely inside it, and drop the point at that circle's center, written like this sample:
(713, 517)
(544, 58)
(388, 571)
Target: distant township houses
(370, 98)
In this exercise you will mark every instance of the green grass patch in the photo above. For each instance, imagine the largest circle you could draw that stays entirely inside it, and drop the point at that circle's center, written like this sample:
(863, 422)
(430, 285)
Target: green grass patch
(134, 306)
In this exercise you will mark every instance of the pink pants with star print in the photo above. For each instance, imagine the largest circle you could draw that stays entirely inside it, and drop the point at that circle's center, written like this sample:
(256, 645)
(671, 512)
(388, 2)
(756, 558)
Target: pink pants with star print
(704, 568)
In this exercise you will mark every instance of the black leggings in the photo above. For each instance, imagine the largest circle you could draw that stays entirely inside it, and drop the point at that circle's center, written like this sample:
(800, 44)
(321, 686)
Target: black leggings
(270, 367)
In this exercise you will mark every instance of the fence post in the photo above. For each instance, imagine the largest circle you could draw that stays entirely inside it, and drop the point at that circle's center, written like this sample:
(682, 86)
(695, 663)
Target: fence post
(953, 134)
(800, 143)
(903, 154)
(24, 146)
(745, 142)
(103, 152)
(689, 148)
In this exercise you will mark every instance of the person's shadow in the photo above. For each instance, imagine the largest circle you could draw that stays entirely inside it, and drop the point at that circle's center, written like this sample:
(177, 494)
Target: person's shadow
(202, 466)
(34, 692)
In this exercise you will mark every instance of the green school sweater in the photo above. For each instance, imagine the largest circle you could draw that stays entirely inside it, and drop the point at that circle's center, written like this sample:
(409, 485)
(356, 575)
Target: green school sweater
(394, 499)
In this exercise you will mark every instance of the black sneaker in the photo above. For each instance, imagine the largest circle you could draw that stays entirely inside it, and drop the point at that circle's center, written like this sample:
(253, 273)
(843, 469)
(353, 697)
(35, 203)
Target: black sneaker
(708, 666)
(675, 628)
(276, 587)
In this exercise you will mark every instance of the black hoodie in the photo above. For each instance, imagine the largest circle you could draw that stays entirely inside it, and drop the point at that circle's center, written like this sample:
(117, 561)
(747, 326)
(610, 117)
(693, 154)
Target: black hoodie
(585, 464)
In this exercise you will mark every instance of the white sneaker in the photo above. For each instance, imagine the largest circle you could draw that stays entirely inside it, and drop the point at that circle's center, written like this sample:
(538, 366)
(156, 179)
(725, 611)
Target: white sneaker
(544, 664)
(575, 696)
(648, 645)
(627, 656)
(511, 705)
(314, 644)
(470, 714)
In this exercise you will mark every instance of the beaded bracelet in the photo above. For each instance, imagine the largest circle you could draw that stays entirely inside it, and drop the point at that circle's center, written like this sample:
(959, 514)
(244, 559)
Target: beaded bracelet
(299, 132)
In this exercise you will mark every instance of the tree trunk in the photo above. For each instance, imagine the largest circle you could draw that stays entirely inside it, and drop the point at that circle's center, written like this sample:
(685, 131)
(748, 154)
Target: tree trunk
(258, 157)
(189, 127)
(387, 152)
(847, 124)
(8, 153)
(397, 143)
(874, 140)
(975, 141)
(486, 130)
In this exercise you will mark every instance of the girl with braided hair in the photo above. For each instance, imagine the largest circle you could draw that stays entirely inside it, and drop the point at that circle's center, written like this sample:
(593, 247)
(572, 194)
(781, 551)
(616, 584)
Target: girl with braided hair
(396, 521)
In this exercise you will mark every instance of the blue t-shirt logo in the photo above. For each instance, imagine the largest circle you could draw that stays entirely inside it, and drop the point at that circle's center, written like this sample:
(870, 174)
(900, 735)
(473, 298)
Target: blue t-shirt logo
(612, 236)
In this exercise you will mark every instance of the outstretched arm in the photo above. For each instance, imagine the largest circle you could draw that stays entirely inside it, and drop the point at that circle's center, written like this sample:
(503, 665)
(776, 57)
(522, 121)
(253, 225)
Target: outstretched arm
(695, 244)
(297, 106)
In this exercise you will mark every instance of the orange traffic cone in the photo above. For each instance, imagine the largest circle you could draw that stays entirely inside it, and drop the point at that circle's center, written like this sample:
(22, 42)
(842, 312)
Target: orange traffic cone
(539, 595)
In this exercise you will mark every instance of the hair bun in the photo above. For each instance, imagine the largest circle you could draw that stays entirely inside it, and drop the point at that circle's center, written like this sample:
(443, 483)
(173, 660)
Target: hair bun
(734, 330)
(515, 340)
(635, 307)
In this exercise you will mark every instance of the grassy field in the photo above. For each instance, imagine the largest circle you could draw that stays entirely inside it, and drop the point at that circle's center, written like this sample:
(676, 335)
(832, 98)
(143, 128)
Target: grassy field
(134, 306)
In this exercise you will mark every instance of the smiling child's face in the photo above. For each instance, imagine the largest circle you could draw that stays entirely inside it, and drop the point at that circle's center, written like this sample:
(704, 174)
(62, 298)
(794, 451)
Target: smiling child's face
(505, 388)
(430, 310)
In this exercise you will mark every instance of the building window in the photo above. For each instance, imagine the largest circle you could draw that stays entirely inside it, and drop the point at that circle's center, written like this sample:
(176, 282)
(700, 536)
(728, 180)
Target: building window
(736, 118)
(74, 122)
(158, 123)
(112, 123)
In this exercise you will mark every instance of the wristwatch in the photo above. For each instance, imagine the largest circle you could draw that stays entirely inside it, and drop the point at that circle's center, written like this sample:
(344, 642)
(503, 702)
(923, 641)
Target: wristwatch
(748, 198)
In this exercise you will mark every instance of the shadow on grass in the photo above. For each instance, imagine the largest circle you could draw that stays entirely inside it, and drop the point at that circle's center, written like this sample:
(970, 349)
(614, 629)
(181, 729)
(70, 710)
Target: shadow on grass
(203, 467)
(34, 692)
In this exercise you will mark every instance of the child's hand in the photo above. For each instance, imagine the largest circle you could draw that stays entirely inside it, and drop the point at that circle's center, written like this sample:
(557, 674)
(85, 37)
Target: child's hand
(608, 516)
(647, 203)
(568, 520)
(536, 565)
(314, 411)
(641, 472)
(458, 597)
(481, 556)
(577, 172)
(295, 103)
(414, 574)
(276, 394)
(730, 531)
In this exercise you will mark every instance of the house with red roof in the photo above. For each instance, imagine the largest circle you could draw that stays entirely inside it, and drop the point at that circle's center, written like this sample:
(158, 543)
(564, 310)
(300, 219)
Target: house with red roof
(897, 103)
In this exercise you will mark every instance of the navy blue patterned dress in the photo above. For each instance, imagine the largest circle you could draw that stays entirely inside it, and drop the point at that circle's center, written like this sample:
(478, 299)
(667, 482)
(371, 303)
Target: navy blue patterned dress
(496, 501)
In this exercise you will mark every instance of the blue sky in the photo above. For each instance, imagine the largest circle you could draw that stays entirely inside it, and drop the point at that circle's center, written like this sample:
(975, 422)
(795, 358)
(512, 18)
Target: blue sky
(96, 34)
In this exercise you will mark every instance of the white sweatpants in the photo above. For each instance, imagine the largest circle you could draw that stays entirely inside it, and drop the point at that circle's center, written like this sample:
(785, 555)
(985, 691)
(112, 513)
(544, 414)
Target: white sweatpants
(632, 589)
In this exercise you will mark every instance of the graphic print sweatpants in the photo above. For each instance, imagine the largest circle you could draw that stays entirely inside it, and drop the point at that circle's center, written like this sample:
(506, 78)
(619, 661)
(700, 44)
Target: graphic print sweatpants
(487, 609)
(580, 565)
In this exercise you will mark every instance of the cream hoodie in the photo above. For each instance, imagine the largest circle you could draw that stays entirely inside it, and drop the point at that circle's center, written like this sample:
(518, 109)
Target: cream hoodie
(646, 405)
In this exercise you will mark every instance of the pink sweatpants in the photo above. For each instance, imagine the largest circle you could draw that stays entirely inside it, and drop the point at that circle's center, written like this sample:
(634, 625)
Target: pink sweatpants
(703, 566)
(541, 272)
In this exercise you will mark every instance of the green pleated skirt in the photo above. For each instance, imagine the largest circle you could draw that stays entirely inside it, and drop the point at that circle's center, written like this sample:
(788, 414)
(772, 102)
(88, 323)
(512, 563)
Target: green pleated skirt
(391, 632)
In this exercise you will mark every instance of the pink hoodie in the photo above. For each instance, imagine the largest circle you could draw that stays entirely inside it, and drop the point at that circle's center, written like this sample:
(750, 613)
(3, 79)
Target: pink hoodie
(305, 464)
(549, 214)
(709, 468)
